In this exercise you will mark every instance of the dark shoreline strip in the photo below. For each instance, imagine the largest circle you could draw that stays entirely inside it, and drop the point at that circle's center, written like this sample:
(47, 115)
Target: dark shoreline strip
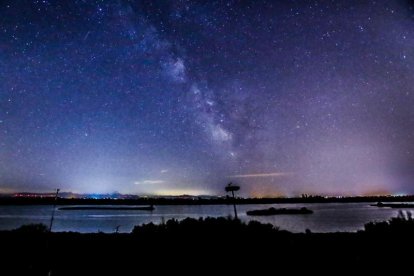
(124, 208)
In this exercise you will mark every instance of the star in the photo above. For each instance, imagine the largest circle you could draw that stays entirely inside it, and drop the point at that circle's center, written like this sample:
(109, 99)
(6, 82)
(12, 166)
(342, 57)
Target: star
(100, 95)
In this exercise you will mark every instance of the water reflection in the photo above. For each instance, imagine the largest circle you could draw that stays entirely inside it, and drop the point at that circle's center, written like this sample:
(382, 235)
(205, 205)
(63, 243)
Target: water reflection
(327, 217)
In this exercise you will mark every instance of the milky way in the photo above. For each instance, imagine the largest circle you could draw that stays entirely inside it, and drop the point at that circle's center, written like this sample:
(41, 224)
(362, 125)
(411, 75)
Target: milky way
(174, 97)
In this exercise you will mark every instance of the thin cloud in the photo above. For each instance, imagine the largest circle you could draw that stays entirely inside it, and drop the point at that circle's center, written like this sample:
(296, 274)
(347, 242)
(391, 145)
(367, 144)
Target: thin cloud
(148, 181)
(261, 175)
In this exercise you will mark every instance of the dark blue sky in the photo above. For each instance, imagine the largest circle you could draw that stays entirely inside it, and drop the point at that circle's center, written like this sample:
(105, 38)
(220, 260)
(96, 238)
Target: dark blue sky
(173, 97)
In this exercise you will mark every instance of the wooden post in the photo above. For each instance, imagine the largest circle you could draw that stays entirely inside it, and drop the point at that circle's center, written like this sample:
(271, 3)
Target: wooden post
(53, 211)
(234, 205)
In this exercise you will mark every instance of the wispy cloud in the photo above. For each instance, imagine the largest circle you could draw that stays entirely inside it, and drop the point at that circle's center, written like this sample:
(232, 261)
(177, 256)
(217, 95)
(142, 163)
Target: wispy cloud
(184, 191)
(261, 175)
(164, 171)
(148, 181)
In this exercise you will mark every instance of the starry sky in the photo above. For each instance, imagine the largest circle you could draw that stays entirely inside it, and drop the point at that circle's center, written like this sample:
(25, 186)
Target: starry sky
(181, 97)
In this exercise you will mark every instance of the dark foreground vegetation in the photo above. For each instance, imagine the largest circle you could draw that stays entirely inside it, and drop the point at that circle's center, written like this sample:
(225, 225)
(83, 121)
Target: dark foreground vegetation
(208, 245)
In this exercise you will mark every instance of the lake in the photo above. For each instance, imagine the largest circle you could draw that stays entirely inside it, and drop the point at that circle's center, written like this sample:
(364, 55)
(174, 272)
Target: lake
(327, 217)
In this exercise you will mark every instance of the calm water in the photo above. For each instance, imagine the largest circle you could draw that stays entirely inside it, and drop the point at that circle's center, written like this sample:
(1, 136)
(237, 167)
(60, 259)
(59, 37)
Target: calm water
(327, 217)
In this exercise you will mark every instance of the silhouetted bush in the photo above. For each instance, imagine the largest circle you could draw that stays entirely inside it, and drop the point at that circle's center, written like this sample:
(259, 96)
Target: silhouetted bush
(403, 223)
(206, 226)
(33, 228)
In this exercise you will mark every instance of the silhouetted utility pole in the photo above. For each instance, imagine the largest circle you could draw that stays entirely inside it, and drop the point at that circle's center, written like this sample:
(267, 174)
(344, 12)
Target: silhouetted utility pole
(50, 229)
(53, 211)
(232, 188)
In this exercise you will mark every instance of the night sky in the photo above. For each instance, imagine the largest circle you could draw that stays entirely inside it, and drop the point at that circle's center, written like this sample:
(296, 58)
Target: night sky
(181, 97)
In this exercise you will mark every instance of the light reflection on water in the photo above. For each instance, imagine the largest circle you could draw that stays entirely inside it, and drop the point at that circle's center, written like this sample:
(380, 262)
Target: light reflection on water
(327, 217)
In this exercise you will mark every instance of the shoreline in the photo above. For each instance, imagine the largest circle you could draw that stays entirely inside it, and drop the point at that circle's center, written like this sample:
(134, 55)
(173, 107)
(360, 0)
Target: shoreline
(5, 201)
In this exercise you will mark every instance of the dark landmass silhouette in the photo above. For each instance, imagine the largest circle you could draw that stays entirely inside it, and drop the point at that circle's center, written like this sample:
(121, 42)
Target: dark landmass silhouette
(21, 200)
(394, 205)
(123, 208)
(210, 245)
(281, 211)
